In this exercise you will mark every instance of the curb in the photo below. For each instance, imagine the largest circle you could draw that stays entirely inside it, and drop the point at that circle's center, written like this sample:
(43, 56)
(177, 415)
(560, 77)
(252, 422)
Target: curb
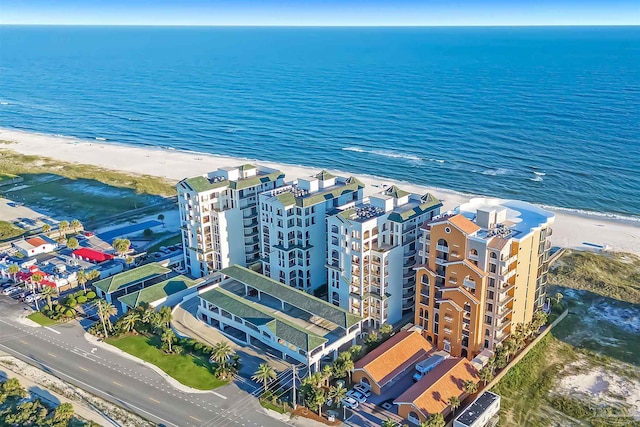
(172, 381)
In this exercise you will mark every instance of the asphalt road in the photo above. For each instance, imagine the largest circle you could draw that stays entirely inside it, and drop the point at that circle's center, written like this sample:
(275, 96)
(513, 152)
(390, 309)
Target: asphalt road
(63, 352)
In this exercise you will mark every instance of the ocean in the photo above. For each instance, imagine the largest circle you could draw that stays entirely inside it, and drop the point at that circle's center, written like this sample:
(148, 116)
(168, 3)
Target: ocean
(550, 115)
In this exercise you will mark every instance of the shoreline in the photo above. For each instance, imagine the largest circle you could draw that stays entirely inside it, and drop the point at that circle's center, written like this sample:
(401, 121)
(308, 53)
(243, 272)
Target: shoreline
(575, 229)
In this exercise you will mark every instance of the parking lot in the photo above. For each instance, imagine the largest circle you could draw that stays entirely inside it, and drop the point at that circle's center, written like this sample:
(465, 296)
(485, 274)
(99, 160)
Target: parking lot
(372, 413)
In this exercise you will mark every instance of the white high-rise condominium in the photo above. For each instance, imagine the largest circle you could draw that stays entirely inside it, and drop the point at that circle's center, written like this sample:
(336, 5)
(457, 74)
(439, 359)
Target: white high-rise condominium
(372, 252)
(219, 217)
(294, 229)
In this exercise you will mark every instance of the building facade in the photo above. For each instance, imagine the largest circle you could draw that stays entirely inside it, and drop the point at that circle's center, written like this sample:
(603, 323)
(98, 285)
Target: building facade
(219, 217)
(371, 253)
(483, 270)
(294, 228)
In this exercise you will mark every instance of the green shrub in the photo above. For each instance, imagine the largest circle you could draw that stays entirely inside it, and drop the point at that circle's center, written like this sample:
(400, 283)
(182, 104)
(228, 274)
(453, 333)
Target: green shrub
(197, 347)
(71, 302)
(59, 308)
(81, 299)
(206, 350)
(91, 295)
(177, 349)
(70, 313)
(147, 232)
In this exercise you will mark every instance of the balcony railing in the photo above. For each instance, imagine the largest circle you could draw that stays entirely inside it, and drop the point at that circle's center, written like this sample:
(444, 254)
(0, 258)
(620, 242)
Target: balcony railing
(469, 283)
(448, 319)
(447, 331)
(453, 280)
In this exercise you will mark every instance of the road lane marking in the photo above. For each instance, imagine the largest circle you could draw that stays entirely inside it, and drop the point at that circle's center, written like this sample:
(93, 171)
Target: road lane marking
(219, 395)
(191, 416)
(84, 369)
(52, 355)
(118, 384)
(154, 400)
(87, 386)
(52, 330)
(23, 342)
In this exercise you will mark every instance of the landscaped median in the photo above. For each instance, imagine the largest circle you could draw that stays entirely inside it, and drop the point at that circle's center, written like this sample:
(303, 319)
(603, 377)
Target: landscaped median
(41, 319)
(188, 369)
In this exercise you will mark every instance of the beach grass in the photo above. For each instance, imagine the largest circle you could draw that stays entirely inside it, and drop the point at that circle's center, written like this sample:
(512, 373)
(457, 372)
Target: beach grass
(41, 319)
(9, 231)
(21, 164)
(615, 275)
(192, 371)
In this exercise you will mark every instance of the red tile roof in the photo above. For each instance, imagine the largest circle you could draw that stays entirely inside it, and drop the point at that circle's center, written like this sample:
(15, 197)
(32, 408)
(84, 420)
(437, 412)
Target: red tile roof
(431, 394)
(394, 356)
(37, 241)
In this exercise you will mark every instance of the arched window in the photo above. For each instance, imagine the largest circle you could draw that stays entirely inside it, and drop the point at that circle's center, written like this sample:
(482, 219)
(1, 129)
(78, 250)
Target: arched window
(424, 279)
(486, 333)
(334, 254)
(493, 255)
(442, 242)
(413, 416)
(473, 252)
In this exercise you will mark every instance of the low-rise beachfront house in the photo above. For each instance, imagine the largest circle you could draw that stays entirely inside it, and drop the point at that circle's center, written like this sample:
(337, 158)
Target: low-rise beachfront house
(35, 246)
(166, 293)
(386, 364)
(483, 412)
(431, 394)
(256, 309)
(130, 281)
(92, 255)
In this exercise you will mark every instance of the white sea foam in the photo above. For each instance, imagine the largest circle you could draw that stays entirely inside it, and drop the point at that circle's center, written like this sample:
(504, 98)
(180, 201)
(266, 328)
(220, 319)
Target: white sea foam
(436, 160)
(536, 179)
(355, 149)
(539, 173)
(101, 139)
(385, 153)
(4, 103)
(495, 172)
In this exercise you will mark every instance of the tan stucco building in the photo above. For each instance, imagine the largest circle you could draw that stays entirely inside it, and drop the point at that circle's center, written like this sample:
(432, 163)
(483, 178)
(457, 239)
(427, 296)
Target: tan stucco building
(483, 270)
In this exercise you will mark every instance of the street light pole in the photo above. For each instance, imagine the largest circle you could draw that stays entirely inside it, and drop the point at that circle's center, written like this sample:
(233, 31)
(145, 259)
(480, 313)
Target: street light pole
(294, 374)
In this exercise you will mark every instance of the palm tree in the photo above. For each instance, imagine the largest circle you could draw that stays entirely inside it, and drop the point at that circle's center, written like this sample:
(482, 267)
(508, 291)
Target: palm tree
(105, 311)
(36, 278)
(46, 228)
(75, 224)
(559, 296)
(73, 243)
(454, 402)
(121, 246)
(470, 386)
(485, 375)
(48, 292)
(327, 372)
(389, 423)
(81, 277)
(93, 274)
(168, 337)
(337, 393)
(264, 374)
(165, 315)
(63, 226)
(435, 420)
(221, 353)
(129, 260)
(13, 270)
(128, 321)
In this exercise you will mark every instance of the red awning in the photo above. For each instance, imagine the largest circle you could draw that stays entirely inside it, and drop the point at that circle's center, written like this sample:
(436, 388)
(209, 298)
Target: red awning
(92, 255)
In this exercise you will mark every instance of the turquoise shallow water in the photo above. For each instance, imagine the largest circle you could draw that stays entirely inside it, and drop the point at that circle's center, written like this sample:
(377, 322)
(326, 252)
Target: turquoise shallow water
(548, 115)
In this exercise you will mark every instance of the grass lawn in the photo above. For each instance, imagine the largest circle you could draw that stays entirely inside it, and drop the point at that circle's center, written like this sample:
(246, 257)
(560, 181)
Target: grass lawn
(192, 371)
(41, 319)
(273, 407)
(9, 231)
(173, 240)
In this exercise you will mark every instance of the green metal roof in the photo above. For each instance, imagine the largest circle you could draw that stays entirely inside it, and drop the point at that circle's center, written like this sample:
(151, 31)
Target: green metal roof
(254, 313)
(255, 180)
(289, 199)
(429, 203)
(324, 175)
(131, 277)
(295, 297)
(202, 183)
(247, 166)
(396, 192)
(157, 291)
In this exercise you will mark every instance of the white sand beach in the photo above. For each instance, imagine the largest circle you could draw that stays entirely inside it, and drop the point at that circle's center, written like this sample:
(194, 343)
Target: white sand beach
(570, 230)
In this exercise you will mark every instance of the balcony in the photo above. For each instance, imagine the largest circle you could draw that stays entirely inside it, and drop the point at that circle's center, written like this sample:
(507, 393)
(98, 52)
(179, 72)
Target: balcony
(448, 319)
(455, 254)
(441, 261)
(453, 280)
(409, 253)
(508, 275)
(503, 301)
(504, 312)
(447, 331)
(465, 327)
(444, 249)
(469, 283)
(408, 274)
(424, 299)
(409, 262)
(508, 261)
(473, 257)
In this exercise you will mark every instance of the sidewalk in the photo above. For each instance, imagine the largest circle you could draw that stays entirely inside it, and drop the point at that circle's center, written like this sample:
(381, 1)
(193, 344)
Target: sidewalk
(85, 412)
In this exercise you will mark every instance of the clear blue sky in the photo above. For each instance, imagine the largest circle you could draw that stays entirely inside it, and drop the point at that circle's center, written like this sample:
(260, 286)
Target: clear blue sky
(321, 12)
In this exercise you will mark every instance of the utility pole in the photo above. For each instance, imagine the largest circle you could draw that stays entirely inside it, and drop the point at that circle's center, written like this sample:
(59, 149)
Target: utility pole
(294, 374)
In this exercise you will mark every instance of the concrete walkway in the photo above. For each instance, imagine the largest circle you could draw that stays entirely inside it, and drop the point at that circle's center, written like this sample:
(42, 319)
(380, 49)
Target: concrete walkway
(185, 323)
(83, 411)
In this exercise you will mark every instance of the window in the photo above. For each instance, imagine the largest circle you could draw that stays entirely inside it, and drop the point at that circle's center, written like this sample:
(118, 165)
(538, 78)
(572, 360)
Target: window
(447, 230)
(473, 252)
(488, 320)
(493, 255)
(491, 295)
(492, 268)
(442, 242)
(492, 282)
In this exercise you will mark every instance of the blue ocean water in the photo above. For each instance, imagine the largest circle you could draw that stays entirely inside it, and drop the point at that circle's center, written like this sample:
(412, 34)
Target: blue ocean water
(548, 115)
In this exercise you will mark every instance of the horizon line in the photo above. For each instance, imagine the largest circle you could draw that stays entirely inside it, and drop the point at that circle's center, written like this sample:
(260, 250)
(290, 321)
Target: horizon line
(313, 26)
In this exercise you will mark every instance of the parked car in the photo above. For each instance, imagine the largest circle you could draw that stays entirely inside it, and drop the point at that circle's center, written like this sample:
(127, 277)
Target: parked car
(31, 298)
(349, 402)
(10, 290)
(362, 389)
(6, 285)
(355, 394)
